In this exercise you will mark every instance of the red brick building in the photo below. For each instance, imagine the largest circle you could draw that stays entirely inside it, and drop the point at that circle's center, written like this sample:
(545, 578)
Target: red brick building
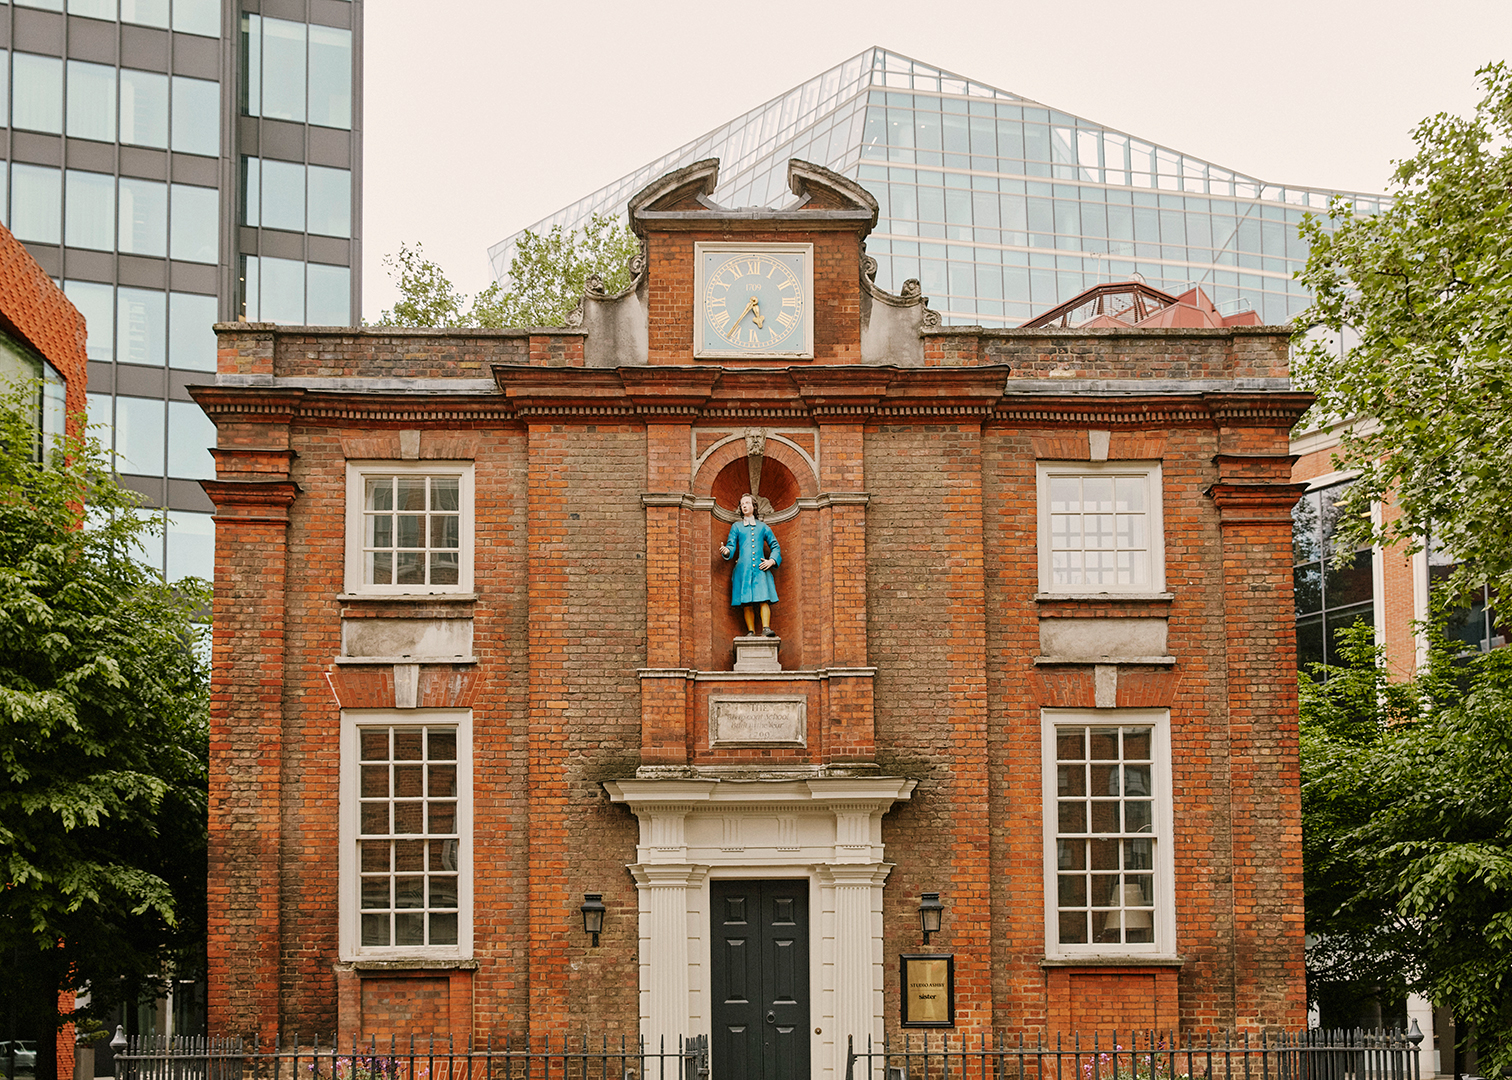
(475, 659)
(41, 336)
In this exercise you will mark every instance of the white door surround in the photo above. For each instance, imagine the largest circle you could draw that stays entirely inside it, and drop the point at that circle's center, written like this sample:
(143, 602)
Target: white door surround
(827, 830)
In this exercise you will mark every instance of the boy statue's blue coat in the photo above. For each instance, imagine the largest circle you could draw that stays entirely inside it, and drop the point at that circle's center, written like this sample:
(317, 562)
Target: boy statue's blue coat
(748, 583)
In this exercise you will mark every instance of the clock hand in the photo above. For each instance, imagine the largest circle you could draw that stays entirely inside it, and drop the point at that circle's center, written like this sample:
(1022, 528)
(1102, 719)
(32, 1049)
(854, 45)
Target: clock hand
(749, 305)
(756, 314)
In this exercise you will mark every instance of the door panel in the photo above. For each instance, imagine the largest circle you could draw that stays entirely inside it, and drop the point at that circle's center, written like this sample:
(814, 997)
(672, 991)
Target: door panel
(760, 979)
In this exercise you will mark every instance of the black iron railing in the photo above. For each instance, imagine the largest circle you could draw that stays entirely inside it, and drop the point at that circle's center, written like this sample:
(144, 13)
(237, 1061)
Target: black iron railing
(1305, 1055)
(414, 1059)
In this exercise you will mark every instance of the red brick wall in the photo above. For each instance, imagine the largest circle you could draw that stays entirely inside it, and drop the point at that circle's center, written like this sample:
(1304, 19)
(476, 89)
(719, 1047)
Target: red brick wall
(580, 586)
(837, 299)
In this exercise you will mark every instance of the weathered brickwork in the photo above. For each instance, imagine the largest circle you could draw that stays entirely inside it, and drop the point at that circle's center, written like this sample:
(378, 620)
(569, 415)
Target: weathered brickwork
(913, 633)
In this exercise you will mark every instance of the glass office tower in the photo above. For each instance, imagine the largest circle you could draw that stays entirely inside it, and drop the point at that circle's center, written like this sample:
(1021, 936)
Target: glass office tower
(173, 163)
(1000, 206)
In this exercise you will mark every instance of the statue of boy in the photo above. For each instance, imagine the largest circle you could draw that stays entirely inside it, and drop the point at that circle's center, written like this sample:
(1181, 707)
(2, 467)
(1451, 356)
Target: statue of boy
(751, 583)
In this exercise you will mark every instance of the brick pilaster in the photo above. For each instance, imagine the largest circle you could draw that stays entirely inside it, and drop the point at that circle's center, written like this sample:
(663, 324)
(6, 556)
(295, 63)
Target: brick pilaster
(246, 753)
(550, 551)
(1265, 808)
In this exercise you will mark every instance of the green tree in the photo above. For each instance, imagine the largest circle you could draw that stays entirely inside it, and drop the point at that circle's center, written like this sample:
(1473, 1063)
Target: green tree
(1407, 833)
(547, 276)
(1426, 285)
(104, 709)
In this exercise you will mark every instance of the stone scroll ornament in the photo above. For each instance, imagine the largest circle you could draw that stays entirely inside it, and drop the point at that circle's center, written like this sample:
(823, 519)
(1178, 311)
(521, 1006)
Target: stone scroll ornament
(754, 548)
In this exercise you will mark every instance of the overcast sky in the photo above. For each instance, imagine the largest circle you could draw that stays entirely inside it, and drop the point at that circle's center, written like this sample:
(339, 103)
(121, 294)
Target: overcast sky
(484, 116)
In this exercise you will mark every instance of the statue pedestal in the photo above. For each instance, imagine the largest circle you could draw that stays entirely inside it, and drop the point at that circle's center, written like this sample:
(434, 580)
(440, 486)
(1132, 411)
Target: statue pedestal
(754, 652)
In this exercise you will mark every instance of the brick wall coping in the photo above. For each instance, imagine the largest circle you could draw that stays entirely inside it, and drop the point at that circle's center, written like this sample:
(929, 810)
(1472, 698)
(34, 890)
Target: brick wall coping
(358, 384)
(1111, 961)
(994, 333)
(946, 330)
(713, 219)
(1015, 385)
(1147, 386)
(295, 330)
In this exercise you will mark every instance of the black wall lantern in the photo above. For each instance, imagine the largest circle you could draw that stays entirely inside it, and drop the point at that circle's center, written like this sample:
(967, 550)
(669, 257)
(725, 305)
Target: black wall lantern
(931, 912)
(593, 914)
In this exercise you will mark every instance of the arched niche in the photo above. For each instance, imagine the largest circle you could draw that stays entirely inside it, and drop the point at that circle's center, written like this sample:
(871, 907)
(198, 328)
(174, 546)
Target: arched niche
(783, 477)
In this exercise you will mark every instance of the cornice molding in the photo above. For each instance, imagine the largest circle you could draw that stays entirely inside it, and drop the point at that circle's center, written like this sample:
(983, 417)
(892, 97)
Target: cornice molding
(249, 404)
(264, 501)
(1255, 503)
(683, 394)
(1240, 409)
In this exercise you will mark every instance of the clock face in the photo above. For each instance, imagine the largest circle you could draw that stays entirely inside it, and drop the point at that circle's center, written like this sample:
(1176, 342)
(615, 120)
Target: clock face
(754, 300)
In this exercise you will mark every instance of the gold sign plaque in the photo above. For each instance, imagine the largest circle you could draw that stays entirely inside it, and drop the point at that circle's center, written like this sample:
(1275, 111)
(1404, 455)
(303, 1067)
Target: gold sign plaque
(928, 990)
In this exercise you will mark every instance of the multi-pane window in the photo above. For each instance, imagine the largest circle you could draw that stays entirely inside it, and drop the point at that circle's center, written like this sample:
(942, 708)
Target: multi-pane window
(290, 291)
(1107, 832)
(409, 841)
(1100, 529)
(409, 529)
(1329, 596)
(189, 16)
(412, 527)
(295, 71)
(296, 197)
(1478, 625)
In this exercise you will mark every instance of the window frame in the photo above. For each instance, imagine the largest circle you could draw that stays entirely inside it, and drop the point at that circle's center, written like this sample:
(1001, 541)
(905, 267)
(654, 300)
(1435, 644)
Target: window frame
(1150, 471)
(349, 920)
(357, 474)
(1159, 720)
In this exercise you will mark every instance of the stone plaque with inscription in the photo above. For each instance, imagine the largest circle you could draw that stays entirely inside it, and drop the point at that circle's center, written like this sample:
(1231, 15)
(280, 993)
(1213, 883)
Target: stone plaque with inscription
(758, 720)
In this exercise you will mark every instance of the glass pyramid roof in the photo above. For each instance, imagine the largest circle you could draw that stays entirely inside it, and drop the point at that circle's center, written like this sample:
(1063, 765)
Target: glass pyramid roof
(1000, 206)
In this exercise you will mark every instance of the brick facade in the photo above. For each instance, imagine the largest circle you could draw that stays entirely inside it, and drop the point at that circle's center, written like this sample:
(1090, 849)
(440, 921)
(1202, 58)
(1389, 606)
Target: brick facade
(35, 311)
(912, 630)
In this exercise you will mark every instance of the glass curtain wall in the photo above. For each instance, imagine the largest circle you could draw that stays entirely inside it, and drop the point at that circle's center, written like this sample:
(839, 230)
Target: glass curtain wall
(121, 169)
(1328, 597)
(1000, 206)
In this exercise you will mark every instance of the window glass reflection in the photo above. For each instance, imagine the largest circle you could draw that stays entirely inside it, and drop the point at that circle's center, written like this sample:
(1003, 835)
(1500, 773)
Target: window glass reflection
(196, 224)
(191, 545)
(139, 434)
(36, 203)
(146, 12)
(99, 418)
(93, 9)
(283, 195)
(283, 69)
(196, 116)
(144, 108)
(330, 300)
(96, 302)
(143, 217)
(330, 201)
(141, 326)
(91, 101)
(191, 334)
(190, 434)
(1328, 598)
(89, 201)
(197, 17)
(274, 289)
(37, 92)
(330, 76)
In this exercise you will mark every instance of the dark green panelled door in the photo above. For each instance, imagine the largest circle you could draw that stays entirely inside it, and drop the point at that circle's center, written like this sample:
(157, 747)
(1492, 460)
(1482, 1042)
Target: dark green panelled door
(760, 975)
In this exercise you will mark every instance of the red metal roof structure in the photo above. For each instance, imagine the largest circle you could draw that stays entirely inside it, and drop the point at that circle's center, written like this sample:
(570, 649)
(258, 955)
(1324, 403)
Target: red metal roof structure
(1133, 303)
